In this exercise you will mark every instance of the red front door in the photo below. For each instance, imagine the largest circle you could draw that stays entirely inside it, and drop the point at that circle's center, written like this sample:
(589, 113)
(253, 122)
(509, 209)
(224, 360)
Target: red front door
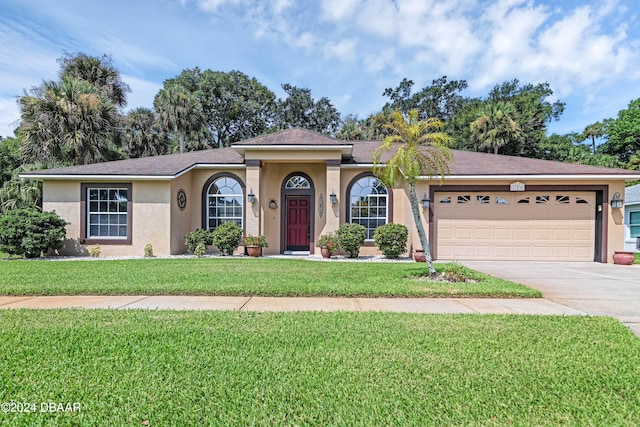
(298, 223)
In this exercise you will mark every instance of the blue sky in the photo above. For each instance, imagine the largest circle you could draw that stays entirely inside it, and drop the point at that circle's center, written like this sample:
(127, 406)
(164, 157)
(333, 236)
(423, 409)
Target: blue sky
(346, 50)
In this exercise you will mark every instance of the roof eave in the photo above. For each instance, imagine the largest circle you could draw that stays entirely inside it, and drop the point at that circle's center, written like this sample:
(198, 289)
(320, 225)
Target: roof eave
(545, 177)
(346, 149)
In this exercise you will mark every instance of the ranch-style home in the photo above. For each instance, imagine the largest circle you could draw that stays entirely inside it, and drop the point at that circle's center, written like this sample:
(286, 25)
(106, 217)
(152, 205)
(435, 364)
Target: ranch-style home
(295, 185)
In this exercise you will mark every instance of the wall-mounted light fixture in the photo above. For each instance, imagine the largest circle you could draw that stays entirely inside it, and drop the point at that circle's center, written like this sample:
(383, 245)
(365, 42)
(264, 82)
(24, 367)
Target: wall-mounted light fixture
(426, 201)
(333, 198)
(616, 202)
(251, 198)
(273, 204)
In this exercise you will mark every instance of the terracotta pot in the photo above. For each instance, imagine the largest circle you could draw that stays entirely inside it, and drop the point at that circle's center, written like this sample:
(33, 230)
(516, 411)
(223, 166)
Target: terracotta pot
(325, 252)
(418, 255)
(254, 251)
(623, 258)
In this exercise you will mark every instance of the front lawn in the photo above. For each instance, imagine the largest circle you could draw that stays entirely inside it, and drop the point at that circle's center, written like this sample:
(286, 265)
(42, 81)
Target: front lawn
(244, 368)
(240, 276)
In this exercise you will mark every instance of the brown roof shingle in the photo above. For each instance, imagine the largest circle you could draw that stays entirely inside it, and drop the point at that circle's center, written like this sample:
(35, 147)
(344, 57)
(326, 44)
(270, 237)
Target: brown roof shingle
(464, 162)
(295, 136)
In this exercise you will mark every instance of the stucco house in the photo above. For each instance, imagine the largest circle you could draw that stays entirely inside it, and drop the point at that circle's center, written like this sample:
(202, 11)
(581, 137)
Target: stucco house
(295, 185)
(631, 217)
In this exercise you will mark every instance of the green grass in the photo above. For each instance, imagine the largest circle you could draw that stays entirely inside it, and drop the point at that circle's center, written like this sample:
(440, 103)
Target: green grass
(245, 276)
(245, 368)
(637, 260)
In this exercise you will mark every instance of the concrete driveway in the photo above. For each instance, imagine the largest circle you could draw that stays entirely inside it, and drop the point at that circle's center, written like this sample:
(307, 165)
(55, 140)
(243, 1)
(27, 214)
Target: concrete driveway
(595, 288)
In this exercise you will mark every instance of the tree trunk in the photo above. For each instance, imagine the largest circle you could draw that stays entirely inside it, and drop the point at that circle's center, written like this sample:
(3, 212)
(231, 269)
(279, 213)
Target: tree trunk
(181, 137)
(413, 200)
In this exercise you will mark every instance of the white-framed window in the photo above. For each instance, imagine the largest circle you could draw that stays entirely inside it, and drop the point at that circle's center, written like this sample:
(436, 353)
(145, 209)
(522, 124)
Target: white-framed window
(369, 201)
(225, 202)
(107, 213)
(634, 224)
(297, 182)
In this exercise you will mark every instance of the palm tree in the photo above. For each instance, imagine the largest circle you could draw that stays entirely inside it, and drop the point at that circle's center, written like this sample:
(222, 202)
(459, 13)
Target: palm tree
(593, 131)
(178, 111)
(67, 121)
(19, 193)
(420, 148)
(495, 127)
(99, 71)
(141, 134)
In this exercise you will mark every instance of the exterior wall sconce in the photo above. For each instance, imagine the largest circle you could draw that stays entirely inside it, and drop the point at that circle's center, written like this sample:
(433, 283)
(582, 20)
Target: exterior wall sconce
(251, 198)
(333, 198)
(616, 202)
(426, 201)
(273, 204)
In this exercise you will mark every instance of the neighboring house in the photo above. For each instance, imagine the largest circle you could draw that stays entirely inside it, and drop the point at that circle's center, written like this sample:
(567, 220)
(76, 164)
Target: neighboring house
(295, 185)
(632, 218)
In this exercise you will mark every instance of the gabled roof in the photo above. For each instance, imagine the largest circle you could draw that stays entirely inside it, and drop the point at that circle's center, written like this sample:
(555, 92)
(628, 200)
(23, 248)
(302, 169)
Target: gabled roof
(465, 164)
(632, 195)
(295, 136)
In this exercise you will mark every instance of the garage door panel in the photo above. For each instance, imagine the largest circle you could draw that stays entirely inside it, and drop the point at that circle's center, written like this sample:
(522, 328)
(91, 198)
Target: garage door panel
(551, 226)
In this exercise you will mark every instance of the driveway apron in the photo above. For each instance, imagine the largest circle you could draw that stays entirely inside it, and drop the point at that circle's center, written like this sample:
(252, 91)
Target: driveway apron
(595, 288)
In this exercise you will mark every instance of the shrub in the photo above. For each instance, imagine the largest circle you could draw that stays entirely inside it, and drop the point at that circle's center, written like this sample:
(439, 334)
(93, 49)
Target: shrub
(30, 232)
(193, 238)
(351, 237)
(148, 251)
(260, 240)
(226, 237)
(200, 250)
(391, 239)
(95, 251)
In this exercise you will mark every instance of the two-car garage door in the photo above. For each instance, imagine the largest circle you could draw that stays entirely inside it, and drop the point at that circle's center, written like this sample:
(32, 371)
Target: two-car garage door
(518, 226)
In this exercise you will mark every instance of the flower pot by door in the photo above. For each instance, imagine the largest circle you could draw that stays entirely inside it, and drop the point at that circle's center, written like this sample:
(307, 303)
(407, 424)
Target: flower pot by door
(325, 252)
(254, 251)
(623, 258)
(418, 255)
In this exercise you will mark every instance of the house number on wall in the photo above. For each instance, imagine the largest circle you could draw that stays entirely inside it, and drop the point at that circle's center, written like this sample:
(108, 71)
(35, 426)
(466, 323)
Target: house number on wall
(182, 199)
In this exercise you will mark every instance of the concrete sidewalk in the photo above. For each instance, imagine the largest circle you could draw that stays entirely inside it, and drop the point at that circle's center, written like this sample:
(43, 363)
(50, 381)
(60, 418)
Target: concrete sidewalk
(407, 305)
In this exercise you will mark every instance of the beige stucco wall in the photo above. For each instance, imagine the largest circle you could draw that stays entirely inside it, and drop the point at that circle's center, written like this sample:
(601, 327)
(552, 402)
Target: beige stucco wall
(150, 217)
(181, 220)
(63, 197)
(158, 221)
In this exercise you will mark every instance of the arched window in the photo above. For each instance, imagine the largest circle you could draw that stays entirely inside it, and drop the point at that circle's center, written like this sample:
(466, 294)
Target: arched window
(368, 200)
(225, 199)
(297, 182)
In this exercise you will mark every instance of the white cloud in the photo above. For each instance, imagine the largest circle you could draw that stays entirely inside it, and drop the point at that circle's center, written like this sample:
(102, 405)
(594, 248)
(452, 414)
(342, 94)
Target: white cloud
(214, 5)
(9, 117)
(339, 10)
(344, 49)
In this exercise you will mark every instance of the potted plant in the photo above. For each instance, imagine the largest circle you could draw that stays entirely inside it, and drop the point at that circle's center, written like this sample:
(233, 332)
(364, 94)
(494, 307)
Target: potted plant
(254, 244)
(328, 244)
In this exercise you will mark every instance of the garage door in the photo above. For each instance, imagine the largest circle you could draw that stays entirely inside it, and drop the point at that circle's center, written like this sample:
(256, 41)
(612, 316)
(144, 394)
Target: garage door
(518, 226)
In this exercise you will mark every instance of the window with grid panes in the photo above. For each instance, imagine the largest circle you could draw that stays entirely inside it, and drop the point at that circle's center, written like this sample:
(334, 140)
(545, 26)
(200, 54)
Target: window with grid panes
(369, 204)
(225, 200)
(107, 213)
